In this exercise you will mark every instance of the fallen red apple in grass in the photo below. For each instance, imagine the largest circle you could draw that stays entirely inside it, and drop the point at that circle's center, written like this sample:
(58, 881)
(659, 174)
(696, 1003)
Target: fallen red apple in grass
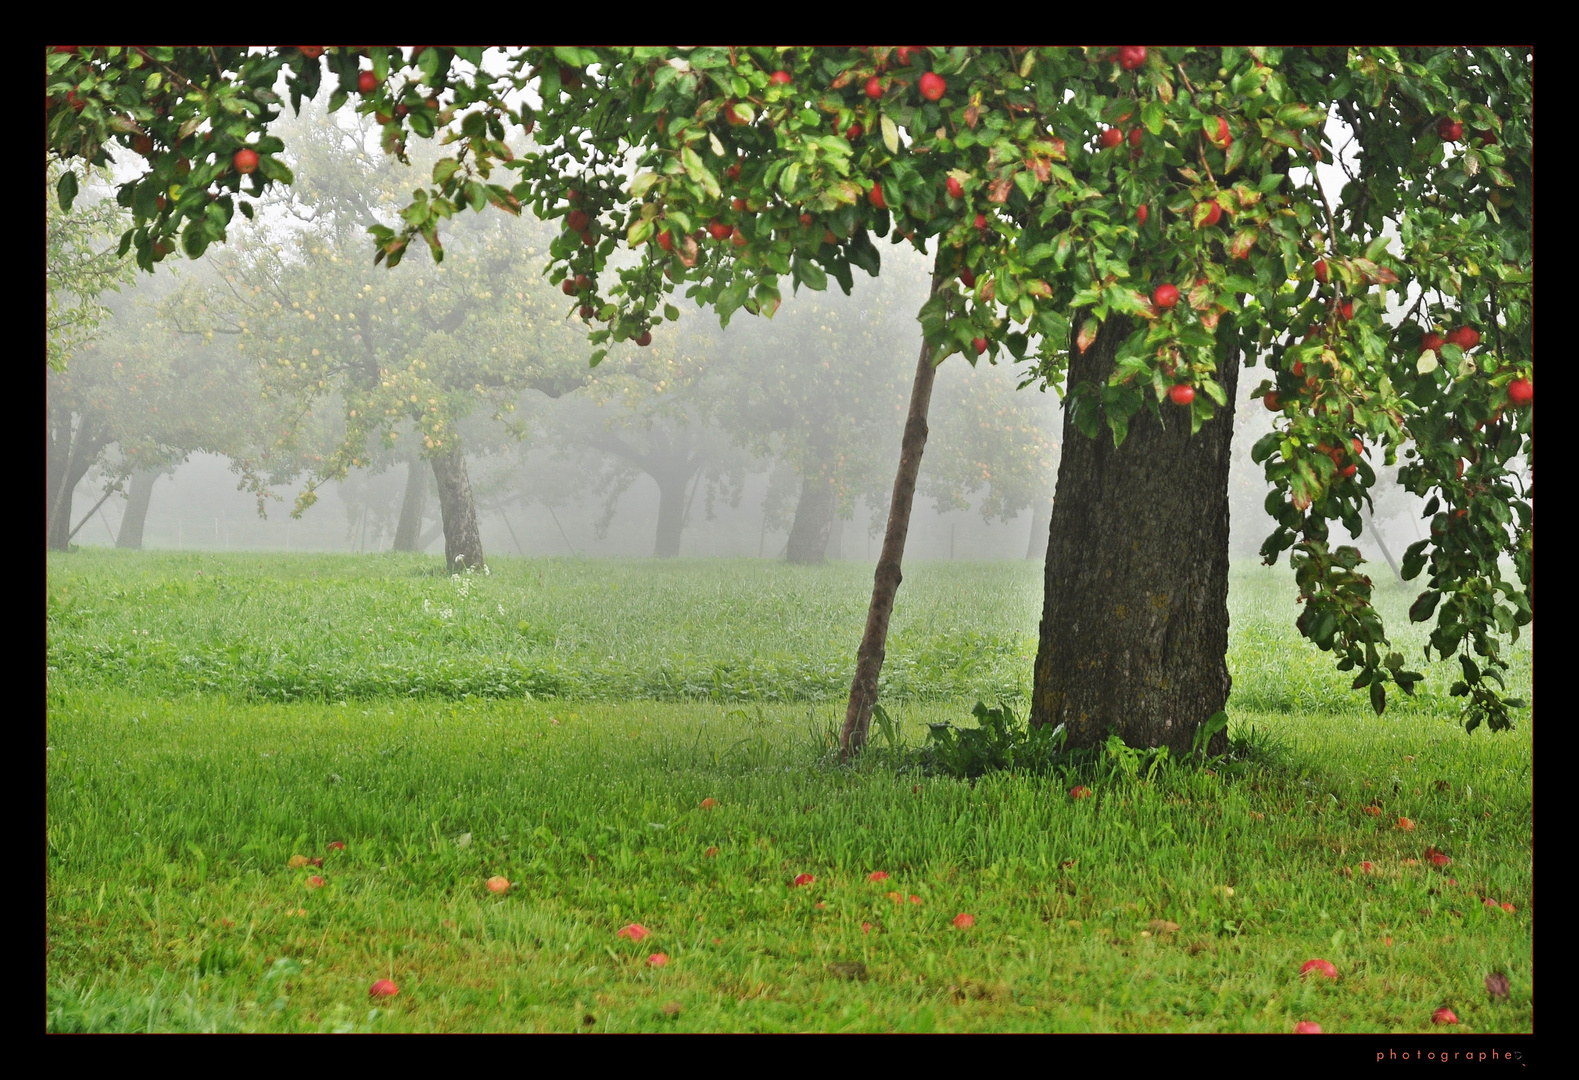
(635, 931)
(1509, 908)
(657, 959)
(1444, 1015)
(1405, 824)
(1374, 811)
(1321, 967)
(803, 879)
(1366, 868)
(336, 845)
(708, 803)
(711, 853)
(866, 928)
(1307, 1027)
(964, 920)
(1437, 858)
(877, 875)
(383, 988)
(498, 884)
(1079, 791)
(315, 882)
(915, 899)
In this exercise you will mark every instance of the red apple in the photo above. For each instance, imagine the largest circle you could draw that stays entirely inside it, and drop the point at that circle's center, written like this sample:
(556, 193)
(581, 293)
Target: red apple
(246, 160)
(1131, 57)
(568, 287)
(645, 339)
(498, 884)
(955, 188)
(143, 144)
(1136, 135)
(737, 205)
(367, 82)
(577, 220)
(1307, 1027)
(733, 172)
(711, 853)
(803, 879)
(1449, 129)
(1444, 1015)
(336, 845)
(1321, 271)
(964, 920)
(737, 237)
(1346, 309)
(1271, 402)
(1348, 471)
(708, 803)
(1181, 394)
(874, 87)
(1465, 337)
(635, 931)
(854, 131)
(383, 988)
(1486, 136)
(587, 311)
(1110, 137)
(1165, 296)
(1079, 791)
(781, 78)
(981, 221)
(1321, 967)
(583, 283)
(657, 959)
(1214, 214)
(1142, 213)
(968, 277)
(980, 344)
(1520, 393)
(666, 240)
(719, 230)
(875, 197)
(1222, 140)
(932, 86)
(877, 875)
(1432, 341)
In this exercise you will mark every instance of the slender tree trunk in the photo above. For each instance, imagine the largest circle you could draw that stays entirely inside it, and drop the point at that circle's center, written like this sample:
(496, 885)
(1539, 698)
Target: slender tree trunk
(885, 582)
(814, 513)
(671, 511)
(412, 506)
(835, 552)
(70, 453)
(1134, 629)
(1041, 521)
(139, 492)
(462, 538)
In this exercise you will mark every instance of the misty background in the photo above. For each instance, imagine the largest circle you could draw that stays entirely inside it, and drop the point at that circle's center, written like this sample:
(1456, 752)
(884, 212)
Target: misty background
(181, 421)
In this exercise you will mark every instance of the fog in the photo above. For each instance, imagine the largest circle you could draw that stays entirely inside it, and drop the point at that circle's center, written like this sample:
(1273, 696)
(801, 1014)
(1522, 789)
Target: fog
(233, 381)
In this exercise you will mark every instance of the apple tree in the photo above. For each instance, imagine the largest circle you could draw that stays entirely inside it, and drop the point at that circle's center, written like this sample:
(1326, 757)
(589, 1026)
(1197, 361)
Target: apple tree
(1136, 223)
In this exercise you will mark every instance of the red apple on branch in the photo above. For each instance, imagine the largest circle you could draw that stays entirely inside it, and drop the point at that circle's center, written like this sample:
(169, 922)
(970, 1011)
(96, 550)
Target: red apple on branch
(367, 82)
(932, 86)
(1182, 394)
(1131, 57)
(1165, 296)
(246, 160)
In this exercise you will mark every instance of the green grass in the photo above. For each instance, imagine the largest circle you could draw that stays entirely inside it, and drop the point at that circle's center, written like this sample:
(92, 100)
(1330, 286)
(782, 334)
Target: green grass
(172, 815)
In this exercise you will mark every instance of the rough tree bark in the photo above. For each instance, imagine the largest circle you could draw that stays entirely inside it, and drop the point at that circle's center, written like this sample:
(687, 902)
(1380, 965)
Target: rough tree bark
(412, 506)
(138, 494)
(885, 581)
(1041, 521)
(814, 513)
(1134, 629)
(462, 538)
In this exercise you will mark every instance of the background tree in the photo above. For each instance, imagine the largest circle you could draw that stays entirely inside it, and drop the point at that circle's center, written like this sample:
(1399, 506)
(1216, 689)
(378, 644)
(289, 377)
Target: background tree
(1138, 222)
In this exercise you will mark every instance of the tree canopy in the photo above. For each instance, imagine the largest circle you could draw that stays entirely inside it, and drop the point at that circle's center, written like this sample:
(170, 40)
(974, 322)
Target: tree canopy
(1171, 192)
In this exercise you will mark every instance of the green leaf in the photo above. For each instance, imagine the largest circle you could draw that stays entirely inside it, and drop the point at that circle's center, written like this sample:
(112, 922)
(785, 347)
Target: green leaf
(890, 133)
(66, 190)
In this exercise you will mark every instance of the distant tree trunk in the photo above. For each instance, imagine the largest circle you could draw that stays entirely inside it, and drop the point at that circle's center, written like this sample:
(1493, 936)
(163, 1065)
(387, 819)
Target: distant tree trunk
(413, 506)
(836, 540)
(885, 582)
(69, 454)
(671, 509)
(814, 514)
(462, 538)
(139, 492)
(1041, 519)
(1134, 631)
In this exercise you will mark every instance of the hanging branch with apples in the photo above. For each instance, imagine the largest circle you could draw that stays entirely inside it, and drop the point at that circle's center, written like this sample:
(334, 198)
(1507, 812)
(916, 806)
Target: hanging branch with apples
(1171, 192)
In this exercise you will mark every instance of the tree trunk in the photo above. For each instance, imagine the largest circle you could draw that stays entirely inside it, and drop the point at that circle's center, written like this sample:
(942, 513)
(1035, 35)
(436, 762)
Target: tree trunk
(69, 454)
(412, 507)
(139, 491)
(835, 552)
(1134, 630)
(462, 538)
(1041, 521)
(885, 582)
(671, 510)
(808, 538)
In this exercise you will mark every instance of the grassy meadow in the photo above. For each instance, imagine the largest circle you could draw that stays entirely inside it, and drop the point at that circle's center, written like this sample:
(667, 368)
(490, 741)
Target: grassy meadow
(560, 723)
